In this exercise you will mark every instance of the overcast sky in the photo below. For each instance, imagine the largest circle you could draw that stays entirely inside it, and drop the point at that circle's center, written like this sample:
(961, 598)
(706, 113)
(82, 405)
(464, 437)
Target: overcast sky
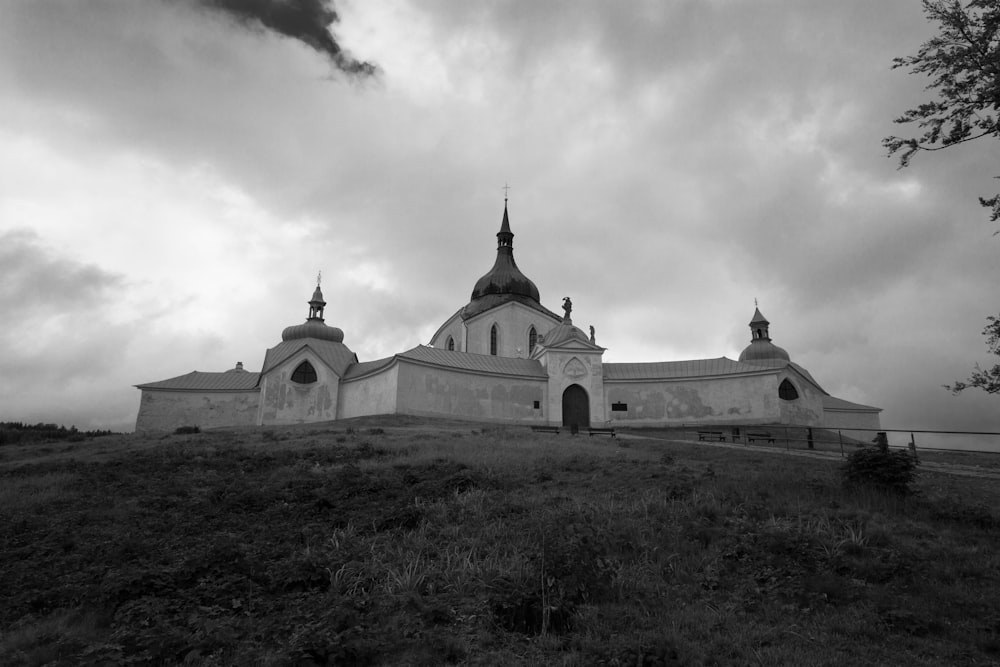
(172, 178)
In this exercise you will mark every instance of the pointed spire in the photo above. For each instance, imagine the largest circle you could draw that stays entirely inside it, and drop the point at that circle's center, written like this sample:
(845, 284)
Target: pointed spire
(758, 325)
(758, 317)
(316, 303)
(505, 237)
(505, 278)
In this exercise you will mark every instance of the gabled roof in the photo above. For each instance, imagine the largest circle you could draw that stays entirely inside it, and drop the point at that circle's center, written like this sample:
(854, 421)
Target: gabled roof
(198, 381)
(834, 403)
(367, 367)
(676, 370)
(478, 363)
(335, 355)
(488, 302)
(781, 363)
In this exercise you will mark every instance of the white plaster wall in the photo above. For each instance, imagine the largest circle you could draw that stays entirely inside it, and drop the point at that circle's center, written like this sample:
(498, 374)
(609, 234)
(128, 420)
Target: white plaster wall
(453, 329)
(168, 410)
(426, 390)
(372, 395)
(513, 320)
(285, 402)
(807, 409)
(846, 420)
(738, 400)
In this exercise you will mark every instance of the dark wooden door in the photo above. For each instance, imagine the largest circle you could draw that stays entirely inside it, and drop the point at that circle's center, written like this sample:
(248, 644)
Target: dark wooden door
(575, 408)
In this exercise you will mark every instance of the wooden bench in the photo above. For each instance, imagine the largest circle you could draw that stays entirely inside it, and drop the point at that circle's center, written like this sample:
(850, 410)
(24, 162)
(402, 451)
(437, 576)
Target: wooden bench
(711, 435)
(602, 431)
(760, 435)
(545, 429)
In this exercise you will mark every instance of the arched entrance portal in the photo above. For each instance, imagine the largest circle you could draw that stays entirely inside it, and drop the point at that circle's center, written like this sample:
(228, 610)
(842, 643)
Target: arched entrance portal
(575, 408)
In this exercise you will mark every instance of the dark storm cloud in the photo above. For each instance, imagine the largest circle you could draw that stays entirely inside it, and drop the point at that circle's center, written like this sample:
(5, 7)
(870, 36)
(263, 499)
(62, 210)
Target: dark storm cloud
(33, 279)
(308, 21)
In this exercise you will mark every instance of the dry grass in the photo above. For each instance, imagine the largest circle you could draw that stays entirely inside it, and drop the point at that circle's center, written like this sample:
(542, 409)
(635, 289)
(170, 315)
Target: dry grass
(407, 541)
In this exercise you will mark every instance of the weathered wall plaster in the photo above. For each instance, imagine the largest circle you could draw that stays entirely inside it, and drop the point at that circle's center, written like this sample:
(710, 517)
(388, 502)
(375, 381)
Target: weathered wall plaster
(434, 391)
(168, 410)
(743, 400)
(285, 402)
(372, 395)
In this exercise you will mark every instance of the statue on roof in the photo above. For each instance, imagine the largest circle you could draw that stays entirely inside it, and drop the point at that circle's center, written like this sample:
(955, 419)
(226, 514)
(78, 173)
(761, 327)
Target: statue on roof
(593, 337)
(567, 307)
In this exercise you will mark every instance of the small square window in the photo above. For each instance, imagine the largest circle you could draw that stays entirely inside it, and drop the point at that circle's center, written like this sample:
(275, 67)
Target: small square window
(619, 407)
(538, 405)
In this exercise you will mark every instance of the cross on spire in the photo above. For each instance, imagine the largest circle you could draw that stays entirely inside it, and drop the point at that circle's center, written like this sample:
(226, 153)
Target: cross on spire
(319, 278)
(506, 189)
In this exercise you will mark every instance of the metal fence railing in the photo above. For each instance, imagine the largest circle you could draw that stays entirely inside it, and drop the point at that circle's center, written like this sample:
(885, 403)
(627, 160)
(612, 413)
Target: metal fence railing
(845, 441)
(981, 444)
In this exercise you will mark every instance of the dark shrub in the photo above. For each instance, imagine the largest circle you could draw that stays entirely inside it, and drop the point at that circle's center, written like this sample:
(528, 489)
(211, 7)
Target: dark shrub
(184, 430)
(880, 468)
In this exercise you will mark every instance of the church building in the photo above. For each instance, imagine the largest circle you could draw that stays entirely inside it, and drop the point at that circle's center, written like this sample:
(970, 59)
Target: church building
(502, 357)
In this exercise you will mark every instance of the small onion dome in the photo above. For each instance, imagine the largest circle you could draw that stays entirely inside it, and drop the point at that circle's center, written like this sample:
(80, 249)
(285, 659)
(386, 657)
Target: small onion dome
(762, 349)
(313, 328)
(562, 333)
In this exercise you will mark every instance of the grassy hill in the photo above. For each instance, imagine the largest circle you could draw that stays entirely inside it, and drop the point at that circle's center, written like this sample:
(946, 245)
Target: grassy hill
(404, 541)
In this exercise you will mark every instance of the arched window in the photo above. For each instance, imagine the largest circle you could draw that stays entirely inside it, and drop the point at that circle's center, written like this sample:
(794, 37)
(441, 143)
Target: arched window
(304, 373)
(787, 391)
(493, 340)
(451, 343)
(532, 339)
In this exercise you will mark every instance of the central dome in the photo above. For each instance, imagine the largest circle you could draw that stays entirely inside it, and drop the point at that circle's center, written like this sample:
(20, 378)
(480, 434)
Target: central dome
(504, 283)
(505, 277)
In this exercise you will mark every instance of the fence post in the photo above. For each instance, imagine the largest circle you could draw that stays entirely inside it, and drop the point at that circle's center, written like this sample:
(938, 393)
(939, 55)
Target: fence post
(913, 447)
(809, 438)
(840, 436)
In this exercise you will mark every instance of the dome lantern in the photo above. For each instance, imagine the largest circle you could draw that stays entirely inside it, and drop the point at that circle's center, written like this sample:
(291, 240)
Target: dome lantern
(761, 348)
(314, 326)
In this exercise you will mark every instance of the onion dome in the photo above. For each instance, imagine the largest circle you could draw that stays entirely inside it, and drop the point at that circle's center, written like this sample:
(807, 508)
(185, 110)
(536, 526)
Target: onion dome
(505, 277)
(761, 348)
(314, 327)
(504, 282)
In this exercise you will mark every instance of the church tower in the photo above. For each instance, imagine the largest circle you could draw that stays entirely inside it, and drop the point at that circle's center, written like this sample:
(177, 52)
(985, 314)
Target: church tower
(504, 316)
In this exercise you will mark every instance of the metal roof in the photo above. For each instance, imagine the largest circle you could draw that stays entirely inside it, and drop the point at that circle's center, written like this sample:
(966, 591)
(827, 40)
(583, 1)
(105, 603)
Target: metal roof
(198, 381)
(335, 355)
(676, 370)
(478, 363)
(366, 367)
(834, 403)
